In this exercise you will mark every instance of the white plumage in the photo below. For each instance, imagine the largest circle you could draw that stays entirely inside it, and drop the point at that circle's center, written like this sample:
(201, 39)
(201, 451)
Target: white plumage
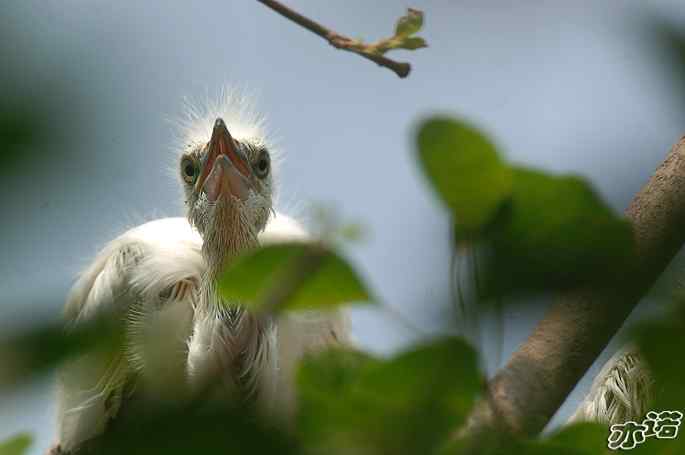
(621, 391)
(158, 279)
(150, 267)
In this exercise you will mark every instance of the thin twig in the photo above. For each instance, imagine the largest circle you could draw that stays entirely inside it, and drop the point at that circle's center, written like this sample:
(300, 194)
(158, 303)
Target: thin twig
(337, 40)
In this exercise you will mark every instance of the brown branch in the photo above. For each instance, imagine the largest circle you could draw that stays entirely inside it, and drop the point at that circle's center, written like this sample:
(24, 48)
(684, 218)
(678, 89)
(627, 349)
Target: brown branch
(540, 375)
(337, 40)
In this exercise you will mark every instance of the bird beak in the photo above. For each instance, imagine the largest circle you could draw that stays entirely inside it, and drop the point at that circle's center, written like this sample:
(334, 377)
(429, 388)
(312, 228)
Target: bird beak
(226, 170)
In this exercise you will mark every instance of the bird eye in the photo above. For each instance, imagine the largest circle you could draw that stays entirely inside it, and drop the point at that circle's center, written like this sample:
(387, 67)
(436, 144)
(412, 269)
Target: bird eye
(189, 169)
(262, 165)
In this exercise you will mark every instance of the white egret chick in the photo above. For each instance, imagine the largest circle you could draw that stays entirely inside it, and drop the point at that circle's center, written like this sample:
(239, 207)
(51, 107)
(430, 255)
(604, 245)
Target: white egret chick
(159, 280)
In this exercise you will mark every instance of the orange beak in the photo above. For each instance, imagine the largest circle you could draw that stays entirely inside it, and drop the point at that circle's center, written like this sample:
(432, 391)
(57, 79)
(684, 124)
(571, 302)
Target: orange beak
(226, 170)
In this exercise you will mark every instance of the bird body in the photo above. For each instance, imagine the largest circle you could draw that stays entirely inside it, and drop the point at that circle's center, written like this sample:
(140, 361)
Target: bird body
(150, 278)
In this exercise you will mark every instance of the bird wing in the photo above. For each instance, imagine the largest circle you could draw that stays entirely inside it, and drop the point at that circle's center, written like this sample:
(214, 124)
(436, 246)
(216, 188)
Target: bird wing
(148, 277)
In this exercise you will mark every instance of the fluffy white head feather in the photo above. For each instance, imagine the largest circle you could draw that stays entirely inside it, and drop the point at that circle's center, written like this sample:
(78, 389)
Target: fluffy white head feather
(238, 108)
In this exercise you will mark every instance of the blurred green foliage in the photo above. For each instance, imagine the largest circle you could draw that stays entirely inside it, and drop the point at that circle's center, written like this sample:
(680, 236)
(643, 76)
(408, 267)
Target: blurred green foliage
(549, 231)
(540, 231)
(16, 445)
(192, 429)
(576, 439)
(292, 276)
(352, 403)
(465, 169)
(662, 343)
(544, 228)
(37, 351)
(553, 233)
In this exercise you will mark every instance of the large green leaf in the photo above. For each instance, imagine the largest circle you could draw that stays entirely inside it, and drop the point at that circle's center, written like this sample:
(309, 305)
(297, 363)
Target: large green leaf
(541, 231)
(555, 232)
(351, 403)
(292, 276)
(465, 169)
(16, 445)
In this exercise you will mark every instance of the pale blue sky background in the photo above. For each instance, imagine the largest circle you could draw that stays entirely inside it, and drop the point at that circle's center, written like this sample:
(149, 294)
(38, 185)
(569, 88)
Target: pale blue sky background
(565, 86)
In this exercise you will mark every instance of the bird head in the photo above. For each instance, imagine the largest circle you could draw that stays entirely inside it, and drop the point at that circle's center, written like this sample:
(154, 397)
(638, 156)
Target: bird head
(228, 186)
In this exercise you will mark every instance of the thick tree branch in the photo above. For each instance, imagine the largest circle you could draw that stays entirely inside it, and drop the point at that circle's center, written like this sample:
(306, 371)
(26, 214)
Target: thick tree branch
(527, 392)
(337, 40)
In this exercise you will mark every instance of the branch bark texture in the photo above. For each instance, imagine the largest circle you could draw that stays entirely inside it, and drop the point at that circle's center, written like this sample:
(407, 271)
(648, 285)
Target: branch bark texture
(526, 393)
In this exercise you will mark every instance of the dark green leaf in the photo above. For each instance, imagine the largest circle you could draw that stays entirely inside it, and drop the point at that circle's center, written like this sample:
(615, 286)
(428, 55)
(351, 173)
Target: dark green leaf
(412, 43)
(491, 443)
(16, 445)
(661, 342)
(465, 169)
(327, 414)
(24, 129)
(162, 429)
(666, 39)
(555, 232)
(44, 347)
(333, 370)
(409, 24)
(577, 439)
(292, 276)
(408, 404)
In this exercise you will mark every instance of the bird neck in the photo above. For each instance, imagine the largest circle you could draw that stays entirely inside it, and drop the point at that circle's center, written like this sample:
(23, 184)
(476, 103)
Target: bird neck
(217, 259)
(229, 234)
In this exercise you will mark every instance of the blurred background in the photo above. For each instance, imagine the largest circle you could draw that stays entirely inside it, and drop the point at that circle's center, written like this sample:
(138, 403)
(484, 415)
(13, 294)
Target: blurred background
(87, 90)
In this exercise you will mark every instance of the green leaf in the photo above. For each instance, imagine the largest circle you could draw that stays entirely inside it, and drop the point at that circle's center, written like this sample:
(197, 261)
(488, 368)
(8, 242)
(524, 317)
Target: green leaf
(578, 439)
(661, 342)
(540, 231)
(352, 403)
(291, 276)
(409, 24)
(412, 43)
(44, 347)
(16, 445)
(164, 428)
(667, 39)
(555, 232)
(465, 169)
(325, 384)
